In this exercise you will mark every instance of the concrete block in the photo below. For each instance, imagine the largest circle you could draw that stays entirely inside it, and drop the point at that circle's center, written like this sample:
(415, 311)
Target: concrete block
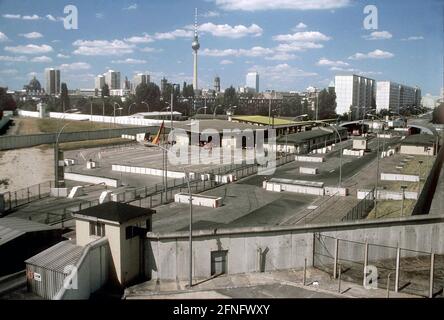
(75, 192)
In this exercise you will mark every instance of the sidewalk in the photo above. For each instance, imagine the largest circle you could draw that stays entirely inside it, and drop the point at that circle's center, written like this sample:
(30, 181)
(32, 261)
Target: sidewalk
(278, 284)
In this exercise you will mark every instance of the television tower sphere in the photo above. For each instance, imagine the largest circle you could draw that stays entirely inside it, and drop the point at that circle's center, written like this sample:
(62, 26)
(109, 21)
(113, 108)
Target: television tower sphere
(195, 45)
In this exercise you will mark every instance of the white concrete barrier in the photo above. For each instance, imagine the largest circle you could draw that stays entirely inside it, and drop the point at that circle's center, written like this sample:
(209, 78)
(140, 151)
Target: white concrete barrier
(388, 194)
(384, 136)
(75, 192)
(338, 191)
(199, 200)
(59, 192)
(362, 193)
(149, 171)
(297, 186)
(275, 147)
(225, 178)
(105, 196)
(90, 164)
(306, 170)
(69, 162)
(399, 177)
(92, 179)
(308, 159)
(355, 153)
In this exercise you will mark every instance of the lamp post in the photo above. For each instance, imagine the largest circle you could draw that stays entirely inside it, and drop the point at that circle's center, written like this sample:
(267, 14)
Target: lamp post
(340, 153)
(215, 108)
(147, 105)
(129, 107)
(402, 202)
(419, 176)
(114, 106)
(190, 238)
(375, 196)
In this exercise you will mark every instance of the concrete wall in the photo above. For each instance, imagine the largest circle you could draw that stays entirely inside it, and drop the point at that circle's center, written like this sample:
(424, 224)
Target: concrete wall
(30, 140)
(399, 177)
(288, 246)
(308, 159)
(92, 179)
(308, 170)
(278, 187)
(417, 150)
(354, 153)
(330, 191)
(198, 200)
(149, 171)
(92, 272)
(388, 195)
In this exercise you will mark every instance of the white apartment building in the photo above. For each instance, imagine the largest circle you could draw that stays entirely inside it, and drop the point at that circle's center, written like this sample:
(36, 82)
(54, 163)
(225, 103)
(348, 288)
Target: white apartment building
(139, 79)
(112, 79)
(99, 82)
(252, 81)
(393, 96)
(354, 94)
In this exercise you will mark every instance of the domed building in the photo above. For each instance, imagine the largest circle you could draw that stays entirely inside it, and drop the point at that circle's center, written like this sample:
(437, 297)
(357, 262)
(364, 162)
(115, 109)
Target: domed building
(33, 86)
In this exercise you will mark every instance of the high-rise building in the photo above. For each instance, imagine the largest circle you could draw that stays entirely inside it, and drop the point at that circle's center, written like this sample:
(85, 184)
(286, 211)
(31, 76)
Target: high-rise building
(52, 77)
(112, 79)
(252, 81)
(195, 46)
(217, 84)
(99, 82)
(139, 79)
(393, 96)
(127, 84)
(163, 84)
(354, 94)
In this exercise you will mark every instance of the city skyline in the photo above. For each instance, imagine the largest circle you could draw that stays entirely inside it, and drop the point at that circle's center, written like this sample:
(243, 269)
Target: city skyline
(296, 49)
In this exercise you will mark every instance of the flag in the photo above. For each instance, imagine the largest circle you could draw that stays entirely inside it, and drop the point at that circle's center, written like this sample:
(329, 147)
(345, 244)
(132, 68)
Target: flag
(156, 140)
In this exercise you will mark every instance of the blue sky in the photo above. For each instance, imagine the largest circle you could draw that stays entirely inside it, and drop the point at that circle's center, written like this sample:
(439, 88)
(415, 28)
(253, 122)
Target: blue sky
(291, 43)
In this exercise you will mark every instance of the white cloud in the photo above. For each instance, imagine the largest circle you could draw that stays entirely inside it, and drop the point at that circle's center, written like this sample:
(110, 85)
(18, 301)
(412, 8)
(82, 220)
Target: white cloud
(281, 75)
(235, 32)
(11, 16)
(282, 56)
(300, 25)
(9, 71)
(149, 49)
(140, 39)
(256, 5)
(41, 59)
(102, 47)
(298, 46)
(32, 35)
(379, 35)
(131, 7)
(63, 56)
(413, 38)
(376, 54)
(13, 59)
(3, 37)
(50, 17)
(100, 15)
(33, 17)
(178, 33)
(252, 52)
(224, 62)
(75, 66)
(210, 14)
(304, 36)
(130, 61)
(330, 63)
(355, 71)
(30, 49)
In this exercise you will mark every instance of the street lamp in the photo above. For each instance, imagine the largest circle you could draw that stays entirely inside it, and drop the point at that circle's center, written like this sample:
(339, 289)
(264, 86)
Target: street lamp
(147, 105)
(114, 106)
(187, 176)
(215, 108)
(340, 153)
(402, 202)
(129, 107)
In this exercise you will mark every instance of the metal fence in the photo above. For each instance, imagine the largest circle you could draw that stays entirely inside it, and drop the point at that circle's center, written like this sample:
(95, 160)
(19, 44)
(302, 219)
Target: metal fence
(362, 209)
(404, 270)
(13, 199)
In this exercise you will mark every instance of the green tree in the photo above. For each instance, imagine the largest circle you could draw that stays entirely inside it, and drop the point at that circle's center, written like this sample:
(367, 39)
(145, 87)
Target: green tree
(105, 91)
(230, 97)
(64, 96)
(7, 102)
(438, 114)
(149, 93)
(327, 104)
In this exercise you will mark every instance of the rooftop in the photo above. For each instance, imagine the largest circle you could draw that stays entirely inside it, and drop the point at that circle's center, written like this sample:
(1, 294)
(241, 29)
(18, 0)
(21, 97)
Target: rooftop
(11, 228)
(114, 211)
(264, 120)
(57, 257)
(419, 139)
(307, 135)
(215, 124)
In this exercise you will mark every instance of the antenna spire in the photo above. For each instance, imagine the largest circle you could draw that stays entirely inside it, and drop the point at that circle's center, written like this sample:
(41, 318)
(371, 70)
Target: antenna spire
(195, 22)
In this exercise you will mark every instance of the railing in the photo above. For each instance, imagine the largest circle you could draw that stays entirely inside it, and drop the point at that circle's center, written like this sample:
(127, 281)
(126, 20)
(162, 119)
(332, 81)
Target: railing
(362, 209)
(13, 199)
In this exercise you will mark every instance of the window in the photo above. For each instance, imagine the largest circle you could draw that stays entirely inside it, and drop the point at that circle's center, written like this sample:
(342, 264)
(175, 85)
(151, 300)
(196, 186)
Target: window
(219, 262)
(130, 232)
(97, 229)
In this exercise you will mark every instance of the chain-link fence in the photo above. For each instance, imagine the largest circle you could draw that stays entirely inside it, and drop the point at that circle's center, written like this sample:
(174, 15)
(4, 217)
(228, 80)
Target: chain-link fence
(362, 209)
(403, 270)
(13, 199)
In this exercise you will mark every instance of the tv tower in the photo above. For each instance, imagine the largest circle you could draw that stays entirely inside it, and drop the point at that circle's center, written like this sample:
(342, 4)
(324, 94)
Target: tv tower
(195, 45)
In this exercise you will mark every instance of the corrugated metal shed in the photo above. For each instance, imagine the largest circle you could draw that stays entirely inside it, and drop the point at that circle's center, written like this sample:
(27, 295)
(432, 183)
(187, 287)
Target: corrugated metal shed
(57, 257)
(11, 228)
